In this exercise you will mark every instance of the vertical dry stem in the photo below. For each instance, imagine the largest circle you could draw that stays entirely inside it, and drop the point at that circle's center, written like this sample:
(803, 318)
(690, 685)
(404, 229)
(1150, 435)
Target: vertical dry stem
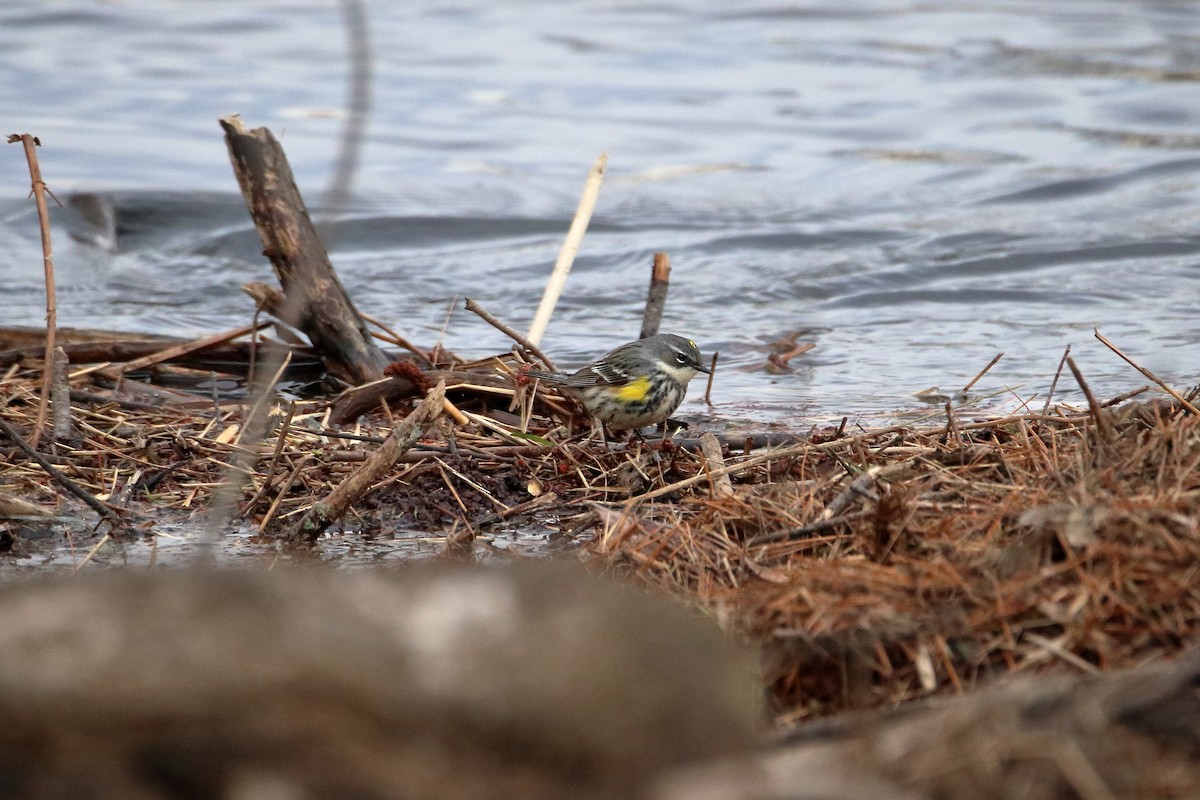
(566, 257)
(39, 197)
(1103, 427)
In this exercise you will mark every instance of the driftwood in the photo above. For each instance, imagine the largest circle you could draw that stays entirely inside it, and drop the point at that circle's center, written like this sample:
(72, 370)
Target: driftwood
(83, 346)
(317, 304)
(185, 348)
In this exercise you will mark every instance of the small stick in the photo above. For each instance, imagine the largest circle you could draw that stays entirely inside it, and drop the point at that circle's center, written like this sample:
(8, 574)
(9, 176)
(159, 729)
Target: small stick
(509, 332)
(1182, 401)
(859, 486)
(982, 372)
(61, 479)
(722, 486)
(280, 440)
(1097, 411)
(253, 420)
(282, 493)
(190, 347)
(728, 469)
(403, 436)
(396, 338)
(250, 374)
(951, 425)
(95, 549)
(1054, 384)
(712, 371)
(805, 530)
(656, 298)
(39, 190)
(60, 394)
(528, 505)
(1121, 398)
(558, 278)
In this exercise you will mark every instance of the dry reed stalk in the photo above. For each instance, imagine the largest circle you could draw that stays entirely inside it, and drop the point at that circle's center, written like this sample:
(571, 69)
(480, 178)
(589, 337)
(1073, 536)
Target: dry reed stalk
(566, 257)
(713, 459)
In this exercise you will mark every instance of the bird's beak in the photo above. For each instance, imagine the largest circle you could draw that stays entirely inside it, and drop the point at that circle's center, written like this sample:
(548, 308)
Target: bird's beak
(703, 369)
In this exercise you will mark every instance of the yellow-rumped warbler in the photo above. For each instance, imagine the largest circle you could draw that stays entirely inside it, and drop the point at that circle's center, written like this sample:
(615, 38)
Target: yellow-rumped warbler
(638, 384)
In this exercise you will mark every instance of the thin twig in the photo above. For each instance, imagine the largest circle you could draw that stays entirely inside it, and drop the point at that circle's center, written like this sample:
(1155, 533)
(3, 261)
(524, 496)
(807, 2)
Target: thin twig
(354, 128)
(254, 419)
(951, 433)
(283, 492)
(62, 480)
(475, 308)
(396, 339)
(558, 278)
(1054, 384)
(712, 371)
(95, 549)
(280, 440)
(982, 372)
(1180, 398)
(185, 348)
(806, 530)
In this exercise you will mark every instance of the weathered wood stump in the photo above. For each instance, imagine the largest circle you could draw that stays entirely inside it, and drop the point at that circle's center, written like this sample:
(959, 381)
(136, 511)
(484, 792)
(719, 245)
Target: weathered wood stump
(315, 300)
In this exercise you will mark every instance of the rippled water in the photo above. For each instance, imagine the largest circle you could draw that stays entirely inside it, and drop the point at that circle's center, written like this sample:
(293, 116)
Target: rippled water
(72, 544)
(918, 185)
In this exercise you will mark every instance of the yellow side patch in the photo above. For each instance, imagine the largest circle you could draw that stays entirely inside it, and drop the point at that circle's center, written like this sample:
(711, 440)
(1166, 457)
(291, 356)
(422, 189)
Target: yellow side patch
(634, 392)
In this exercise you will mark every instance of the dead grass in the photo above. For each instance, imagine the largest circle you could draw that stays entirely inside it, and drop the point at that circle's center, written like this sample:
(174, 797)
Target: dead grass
(876, 567)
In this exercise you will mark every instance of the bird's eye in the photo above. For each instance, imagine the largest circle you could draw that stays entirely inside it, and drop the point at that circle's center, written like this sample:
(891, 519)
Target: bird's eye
(680, 358)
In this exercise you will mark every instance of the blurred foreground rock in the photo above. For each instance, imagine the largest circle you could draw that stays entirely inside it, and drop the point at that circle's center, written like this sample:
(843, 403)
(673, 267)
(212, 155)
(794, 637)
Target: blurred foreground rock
(484, 683)
(1129, 734)
(532, 683)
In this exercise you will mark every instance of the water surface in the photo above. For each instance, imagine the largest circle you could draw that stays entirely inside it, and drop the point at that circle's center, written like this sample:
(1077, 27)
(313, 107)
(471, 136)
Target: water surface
(916, 185)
